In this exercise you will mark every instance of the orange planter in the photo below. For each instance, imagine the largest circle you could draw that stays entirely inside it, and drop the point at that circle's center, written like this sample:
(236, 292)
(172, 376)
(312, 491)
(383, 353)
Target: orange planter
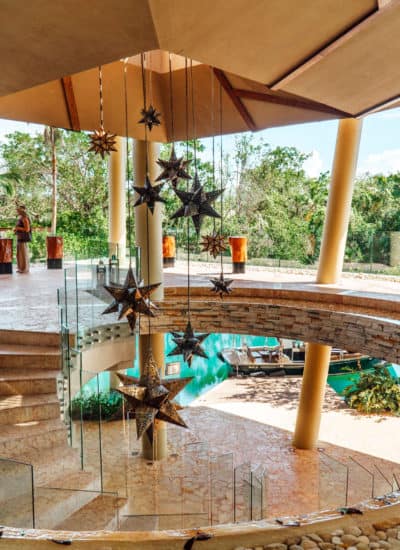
(169, 250)
(239, 253)
(6, 256)
(55, 250)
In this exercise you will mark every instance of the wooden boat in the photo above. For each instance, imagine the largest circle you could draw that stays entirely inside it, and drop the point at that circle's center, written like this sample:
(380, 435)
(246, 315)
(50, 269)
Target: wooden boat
(287, 358)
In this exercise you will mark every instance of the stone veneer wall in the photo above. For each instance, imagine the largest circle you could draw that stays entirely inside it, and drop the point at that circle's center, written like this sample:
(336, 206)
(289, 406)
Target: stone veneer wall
(375, 336)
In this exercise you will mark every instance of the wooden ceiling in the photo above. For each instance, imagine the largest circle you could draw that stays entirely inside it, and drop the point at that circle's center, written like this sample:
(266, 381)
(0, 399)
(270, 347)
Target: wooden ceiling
(278, 61)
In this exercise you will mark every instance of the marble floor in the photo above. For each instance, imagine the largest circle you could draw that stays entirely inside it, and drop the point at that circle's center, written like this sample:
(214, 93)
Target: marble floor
(29, 301)
(225, 468)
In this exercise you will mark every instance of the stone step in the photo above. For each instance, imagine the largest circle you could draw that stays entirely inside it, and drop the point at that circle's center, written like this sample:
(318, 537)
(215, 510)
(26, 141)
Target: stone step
(15, 409)
(27, 381)
(55, 463)
(26, 338)
(100, 513)
(18, 439)
(44, 357)
(53, 504)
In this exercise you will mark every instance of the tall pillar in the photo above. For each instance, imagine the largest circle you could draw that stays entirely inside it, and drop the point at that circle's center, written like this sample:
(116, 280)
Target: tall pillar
(116, 201)
(149, 238)
(331, 257)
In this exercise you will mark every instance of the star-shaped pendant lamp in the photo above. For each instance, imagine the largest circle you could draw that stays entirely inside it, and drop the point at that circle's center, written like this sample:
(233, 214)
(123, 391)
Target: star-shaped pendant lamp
(174, 168)
(131, 299)
(221, 285)
(149, 194)
(102, 142)
(150, 117)
(151, 398)
(196, 204)
(188, 344)
(214, 244)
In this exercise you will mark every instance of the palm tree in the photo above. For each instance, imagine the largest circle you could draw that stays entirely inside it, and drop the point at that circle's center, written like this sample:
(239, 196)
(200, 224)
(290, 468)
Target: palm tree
(7, 181)
(53, 136)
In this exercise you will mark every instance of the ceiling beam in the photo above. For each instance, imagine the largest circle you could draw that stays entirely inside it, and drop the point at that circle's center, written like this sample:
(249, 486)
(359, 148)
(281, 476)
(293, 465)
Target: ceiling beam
(382, 105)
(339, 41)
(290, 102)
(244, 113)
(70, 103)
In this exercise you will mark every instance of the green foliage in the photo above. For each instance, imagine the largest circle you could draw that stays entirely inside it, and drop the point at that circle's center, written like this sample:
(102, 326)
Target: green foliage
(268, 197)
(82, 188)
(374, 392)
(88, 406)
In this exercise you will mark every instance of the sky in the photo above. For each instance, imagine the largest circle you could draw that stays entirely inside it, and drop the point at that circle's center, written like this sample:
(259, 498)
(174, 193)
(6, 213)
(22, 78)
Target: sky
(379, 148)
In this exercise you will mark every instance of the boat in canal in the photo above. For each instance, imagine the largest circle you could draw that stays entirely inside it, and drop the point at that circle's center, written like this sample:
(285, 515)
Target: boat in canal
(287, 358)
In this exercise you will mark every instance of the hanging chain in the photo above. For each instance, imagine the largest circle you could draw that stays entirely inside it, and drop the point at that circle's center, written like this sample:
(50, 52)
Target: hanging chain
(127, 166)
(187, 183)
(101, 97)
(171, 100)
(221, 171)
(143, 59)
(149, 348)
(213, 138)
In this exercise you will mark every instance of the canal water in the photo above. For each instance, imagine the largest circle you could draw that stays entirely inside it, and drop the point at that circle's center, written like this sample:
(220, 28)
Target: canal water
(206, 372)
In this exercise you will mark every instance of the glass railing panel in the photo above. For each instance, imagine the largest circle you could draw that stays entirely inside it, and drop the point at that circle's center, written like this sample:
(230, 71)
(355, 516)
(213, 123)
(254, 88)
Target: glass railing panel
(17, 508)
(195, 483)
(333, 481)
(86, 419)
(76, 509)
(242, 492)
(221, 489)
(382, 481)
(114, 442)
(257, 493)
(361, 482)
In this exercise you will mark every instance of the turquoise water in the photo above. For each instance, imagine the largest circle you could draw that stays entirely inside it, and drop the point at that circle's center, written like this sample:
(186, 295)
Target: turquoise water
(206, 372)
(340, 381)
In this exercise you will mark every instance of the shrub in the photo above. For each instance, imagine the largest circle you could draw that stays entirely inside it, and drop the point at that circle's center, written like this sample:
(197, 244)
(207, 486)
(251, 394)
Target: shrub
(89, 405)
(375, 391)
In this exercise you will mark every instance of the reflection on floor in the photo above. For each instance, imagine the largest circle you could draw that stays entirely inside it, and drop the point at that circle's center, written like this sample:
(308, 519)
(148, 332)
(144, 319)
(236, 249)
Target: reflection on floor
(246, 470)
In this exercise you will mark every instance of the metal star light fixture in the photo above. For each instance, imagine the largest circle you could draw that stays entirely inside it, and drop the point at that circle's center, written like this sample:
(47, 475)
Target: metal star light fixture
(188, 344)
(149, 194)
(150, 117)
(173, 169)
(151, 398)
(221, 285)
(102, 142)
(215, 244)
(131, 299)
(196, 204)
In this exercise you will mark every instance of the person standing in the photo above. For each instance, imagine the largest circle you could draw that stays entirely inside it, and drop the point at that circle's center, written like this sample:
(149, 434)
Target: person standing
(23, 230)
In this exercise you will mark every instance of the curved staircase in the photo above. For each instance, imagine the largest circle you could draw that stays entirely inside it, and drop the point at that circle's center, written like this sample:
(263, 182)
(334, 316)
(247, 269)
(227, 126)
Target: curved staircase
(32, 432)
(29, 407)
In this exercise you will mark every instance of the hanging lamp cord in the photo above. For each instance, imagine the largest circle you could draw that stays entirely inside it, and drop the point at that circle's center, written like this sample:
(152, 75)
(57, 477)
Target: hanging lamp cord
(128, 175)
(101, 97)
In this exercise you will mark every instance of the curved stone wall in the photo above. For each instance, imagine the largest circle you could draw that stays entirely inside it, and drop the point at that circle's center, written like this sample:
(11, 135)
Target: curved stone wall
(366, 331)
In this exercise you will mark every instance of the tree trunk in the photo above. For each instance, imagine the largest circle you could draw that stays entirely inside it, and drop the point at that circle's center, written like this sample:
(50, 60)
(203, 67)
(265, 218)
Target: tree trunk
(54, 186)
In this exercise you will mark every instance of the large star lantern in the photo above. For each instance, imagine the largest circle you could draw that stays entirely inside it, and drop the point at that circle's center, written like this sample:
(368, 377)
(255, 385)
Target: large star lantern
(148, 194)
(221, 285)
(102, 142)
(151, 398)
(131, 299)
(173, 169)
(150, 117)
(214, 244)
(188, 344)
(196, 204)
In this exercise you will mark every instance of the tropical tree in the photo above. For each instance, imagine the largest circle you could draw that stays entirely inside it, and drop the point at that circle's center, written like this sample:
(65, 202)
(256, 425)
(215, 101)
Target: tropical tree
(53, 136)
